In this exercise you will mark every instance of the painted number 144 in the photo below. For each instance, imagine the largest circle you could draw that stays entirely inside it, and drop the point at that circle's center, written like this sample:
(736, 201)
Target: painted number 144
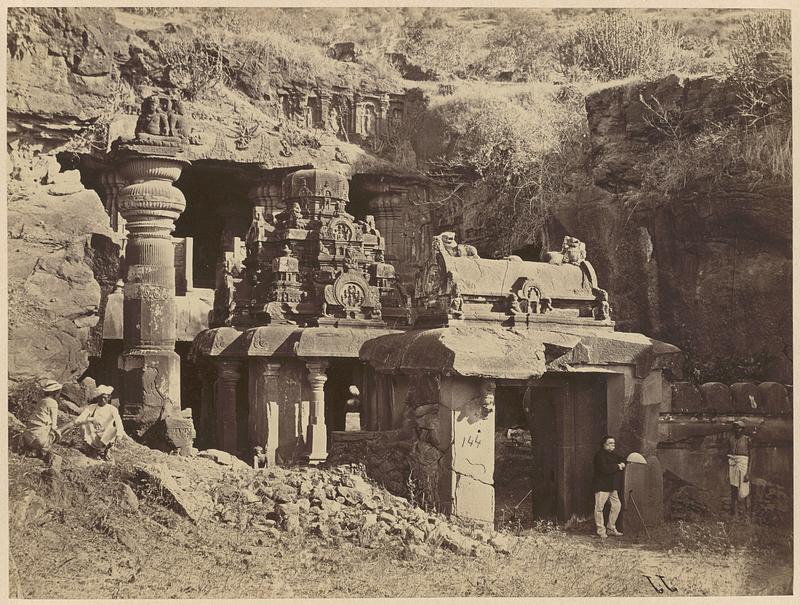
(472, 441)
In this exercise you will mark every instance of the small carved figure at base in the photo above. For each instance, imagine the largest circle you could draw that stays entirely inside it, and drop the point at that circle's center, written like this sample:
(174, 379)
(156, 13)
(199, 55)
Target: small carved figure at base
(259, 457)
(514, 307)
(545, 305)
(602, 310)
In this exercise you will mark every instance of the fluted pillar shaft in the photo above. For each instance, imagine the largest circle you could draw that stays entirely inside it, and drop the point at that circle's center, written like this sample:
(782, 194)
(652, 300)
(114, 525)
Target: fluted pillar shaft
(150, 367)
(263, 406)
(317, 431)
(387, 208)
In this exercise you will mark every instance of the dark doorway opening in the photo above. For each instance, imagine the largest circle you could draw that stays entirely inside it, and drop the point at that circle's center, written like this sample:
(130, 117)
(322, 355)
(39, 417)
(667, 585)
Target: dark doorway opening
(103, 368)
(341, 374)
(545, 441)
(513, 466)
(217, 208)
(531, 252)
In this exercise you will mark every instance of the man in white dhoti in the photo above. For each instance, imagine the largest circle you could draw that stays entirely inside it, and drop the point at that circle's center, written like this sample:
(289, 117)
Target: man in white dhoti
(739, 467)
(101, 423)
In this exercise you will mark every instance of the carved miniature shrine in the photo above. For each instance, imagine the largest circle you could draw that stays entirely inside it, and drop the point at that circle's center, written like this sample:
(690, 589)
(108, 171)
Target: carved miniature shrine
(312, 286)
(500, 344)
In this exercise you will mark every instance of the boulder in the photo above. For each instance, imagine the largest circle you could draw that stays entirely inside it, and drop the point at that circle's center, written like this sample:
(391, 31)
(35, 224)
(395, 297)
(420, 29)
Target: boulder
(26, 509)
(193, 504)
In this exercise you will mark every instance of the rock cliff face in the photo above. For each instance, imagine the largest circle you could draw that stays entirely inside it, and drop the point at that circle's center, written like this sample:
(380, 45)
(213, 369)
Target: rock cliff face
(76, 78)
(706, 267)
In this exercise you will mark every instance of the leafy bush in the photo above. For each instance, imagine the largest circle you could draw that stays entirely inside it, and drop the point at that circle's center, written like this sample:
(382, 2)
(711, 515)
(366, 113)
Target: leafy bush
(619, 44)
(22, 396)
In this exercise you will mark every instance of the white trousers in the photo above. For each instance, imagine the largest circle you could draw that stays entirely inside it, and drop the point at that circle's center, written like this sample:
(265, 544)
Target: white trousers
(600, 499)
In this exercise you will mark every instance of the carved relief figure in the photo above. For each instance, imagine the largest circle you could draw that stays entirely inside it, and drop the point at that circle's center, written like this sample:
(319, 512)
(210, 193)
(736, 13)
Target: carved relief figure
(456, 302)
(514, 307)
(485, 399)
(573, 252)
(546, 304)
(178, 124)
(293, 216)
(601, 310)
(151, 118)
(258, 229)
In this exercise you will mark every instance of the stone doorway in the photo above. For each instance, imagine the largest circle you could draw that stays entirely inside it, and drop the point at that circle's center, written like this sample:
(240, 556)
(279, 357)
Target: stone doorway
(513, 467)
(546, 438)
(341, 374)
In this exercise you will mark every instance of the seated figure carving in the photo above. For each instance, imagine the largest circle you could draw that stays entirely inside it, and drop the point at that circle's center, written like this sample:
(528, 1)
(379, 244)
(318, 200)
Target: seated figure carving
(151, 118)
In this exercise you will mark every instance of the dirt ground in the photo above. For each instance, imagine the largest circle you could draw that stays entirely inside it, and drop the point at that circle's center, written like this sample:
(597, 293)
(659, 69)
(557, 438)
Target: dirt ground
(83, 544)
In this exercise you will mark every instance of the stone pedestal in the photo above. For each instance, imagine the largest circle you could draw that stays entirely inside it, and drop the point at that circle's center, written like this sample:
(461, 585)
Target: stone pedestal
(317, 431)
(263, 425)
(149, 365)
(226, 398)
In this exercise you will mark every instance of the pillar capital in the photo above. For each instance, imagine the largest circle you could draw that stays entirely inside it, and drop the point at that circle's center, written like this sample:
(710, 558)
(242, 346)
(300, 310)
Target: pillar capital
(229, 369)
(266, 366)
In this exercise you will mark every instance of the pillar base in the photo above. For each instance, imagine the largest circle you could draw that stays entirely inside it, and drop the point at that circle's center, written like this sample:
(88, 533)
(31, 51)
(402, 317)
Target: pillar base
(318, 441)
(150, 388)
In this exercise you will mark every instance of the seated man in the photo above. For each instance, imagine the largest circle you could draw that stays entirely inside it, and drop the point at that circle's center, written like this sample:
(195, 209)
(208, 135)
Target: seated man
(101, 423)
(41, 432)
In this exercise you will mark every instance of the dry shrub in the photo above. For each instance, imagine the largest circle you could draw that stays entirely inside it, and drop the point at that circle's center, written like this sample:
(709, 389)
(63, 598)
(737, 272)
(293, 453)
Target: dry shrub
(619, 44)
(761, 65)
(521, 147)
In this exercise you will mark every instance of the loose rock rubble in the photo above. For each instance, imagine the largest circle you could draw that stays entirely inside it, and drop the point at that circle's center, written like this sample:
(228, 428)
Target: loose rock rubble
(333, 504)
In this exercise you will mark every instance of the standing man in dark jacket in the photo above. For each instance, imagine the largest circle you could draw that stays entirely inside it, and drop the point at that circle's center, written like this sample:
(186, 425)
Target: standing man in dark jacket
(607, 466)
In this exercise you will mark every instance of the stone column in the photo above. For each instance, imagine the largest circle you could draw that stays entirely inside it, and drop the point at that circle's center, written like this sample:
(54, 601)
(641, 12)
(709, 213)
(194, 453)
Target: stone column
(226, 398)
(207, 417)
(149, 365)
(263, 401)
(387, 208)
(267, 194)
(317, 431)
(112, 183)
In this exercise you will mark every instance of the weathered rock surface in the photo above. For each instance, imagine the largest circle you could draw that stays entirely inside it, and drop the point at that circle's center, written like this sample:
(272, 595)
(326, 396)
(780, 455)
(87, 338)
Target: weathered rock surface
(706, 268)
(58, 245)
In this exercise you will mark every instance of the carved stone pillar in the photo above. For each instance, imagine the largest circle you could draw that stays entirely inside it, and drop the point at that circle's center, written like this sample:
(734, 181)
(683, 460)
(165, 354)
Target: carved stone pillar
(267, 194)
(112, 183)
(317, 431)
(226, 400)
(149, 365)
(264, 412)
(207, 417)
(387, 208)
